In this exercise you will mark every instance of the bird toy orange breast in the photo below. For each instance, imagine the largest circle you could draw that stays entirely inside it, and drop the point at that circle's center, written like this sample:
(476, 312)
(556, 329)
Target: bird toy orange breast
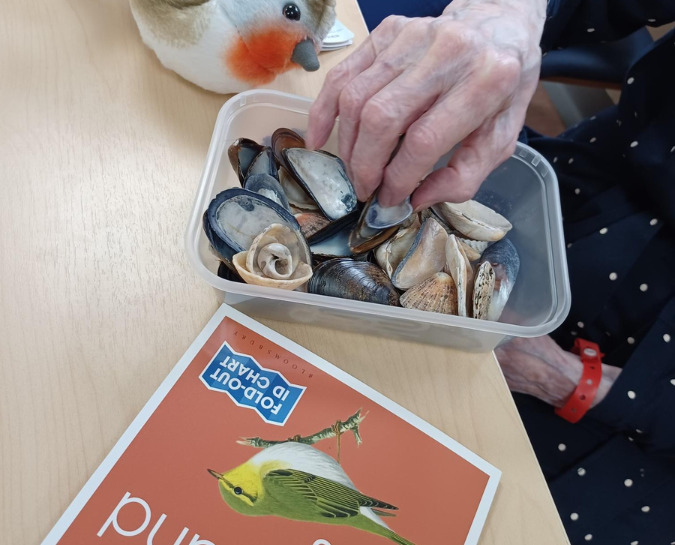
(228, 46)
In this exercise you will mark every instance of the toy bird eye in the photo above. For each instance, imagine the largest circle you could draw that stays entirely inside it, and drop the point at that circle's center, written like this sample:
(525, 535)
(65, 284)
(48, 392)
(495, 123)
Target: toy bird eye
(237, 490)
(292, 11)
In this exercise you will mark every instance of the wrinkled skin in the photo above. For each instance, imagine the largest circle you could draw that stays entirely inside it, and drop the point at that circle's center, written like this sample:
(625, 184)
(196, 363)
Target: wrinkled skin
(466, 76)
(540, 368)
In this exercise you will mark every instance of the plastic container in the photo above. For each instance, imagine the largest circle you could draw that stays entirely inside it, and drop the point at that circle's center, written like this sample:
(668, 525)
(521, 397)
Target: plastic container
(524, 189)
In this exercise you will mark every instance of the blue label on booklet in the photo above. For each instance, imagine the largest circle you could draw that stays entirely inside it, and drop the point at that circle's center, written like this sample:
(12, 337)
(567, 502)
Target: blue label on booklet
(250, 385)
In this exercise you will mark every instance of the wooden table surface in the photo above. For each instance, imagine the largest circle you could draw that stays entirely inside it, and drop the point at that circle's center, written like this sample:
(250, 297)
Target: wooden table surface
(101, 151)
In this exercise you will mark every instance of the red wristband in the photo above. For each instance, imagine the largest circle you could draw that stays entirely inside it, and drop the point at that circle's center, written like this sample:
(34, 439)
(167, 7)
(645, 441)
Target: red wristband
(580, 400)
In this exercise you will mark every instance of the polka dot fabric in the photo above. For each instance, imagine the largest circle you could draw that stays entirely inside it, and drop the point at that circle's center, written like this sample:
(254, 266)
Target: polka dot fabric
(614, 480)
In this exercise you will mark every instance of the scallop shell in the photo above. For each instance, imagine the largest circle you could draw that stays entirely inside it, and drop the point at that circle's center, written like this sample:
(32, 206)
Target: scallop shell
(437, 293)
(474, 220)
(278, 257)
(473, 248)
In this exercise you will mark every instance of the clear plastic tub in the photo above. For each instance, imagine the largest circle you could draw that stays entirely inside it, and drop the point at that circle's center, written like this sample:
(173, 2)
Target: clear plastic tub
(524, 188)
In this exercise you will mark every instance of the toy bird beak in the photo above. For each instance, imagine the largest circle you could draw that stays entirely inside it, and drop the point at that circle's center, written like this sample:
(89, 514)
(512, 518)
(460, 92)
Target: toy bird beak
(304, 54)
(215, 474)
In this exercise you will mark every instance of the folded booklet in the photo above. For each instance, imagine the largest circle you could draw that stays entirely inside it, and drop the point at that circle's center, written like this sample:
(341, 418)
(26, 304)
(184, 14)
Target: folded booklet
(254, 440)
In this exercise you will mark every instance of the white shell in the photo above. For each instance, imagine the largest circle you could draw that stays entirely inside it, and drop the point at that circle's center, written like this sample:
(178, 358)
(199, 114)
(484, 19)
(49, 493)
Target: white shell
(278, 258)
(474, 220)
(457, 265)
(437, 293)
(425, 257)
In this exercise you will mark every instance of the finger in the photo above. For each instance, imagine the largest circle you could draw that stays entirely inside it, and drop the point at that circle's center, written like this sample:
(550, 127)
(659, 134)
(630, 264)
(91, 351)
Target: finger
(441, 128)
(355, 96)
(479, 154)
(384, 118)
(324, 111)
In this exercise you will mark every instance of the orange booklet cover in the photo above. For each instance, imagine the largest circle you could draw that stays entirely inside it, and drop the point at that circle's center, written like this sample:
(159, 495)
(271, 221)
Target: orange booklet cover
(254, 440)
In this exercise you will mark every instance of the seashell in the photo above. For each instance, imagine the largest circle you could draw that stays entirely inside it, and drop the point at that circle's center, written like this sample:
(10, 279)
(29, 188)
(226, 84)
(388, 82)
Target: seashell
(227, 271)
(457, 265)
(324, 177)
(438, 293)
(425, 257)
(264, 163)
(333, 240)
(236, 216)
(505, 261)
(283, 139)
(389, 254)
(363, 238)
(267, 186)
(380, 217)
(356, 280)
(311, 223)
(241, 154)
(484, 285)
(278, 258)
(296, 195)
(473, 249)
(474, 220)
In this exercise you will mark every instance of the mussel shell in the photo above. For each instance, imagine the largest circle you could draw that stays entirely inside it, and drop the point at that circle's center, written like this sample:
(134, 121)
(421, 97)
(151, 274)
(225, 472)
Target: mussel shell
(236, 216)
(264, 163)
(296, 194)
(324, 177)
(267, 186)
(283, 139)
(364, 238)
(381, 217)
(505, 261)
(228, 273)
(355, 280)
(333, 239)
(241, 154)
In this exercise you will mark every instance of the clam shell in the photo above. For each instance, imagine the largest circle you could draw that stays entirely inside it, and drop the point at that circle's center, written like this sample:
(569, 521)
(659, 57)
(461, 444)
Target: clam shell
(457, 265)
(474, 220)
(484, 285)
(390, 254)
(236, 216)
(437, 293)
(473, 249)
(356, 280)
(425, 257)
(324, 177)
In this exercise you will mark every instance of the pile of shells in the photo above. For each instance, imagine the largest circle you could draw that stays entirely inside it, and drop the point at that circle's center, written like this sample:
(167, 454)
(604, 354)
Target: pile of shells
(295, 224)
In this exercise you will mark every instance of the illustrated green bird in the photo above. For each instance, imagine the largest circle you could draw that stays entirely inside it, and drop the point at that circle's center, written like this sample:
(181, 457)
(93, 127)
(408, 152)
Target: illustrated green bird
(296, 481)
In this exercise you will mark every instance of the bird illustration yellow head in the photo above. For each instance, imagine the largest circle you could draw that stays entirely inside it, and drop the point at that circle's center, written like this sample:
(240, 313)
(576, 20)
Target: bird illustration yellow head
(231, 45)
(298, 482)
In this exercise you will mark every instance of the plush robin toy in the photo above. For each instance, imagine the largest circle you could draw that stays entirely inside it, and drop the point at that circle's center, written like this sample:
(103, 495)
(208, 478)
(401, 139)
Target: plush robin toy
(229, 46)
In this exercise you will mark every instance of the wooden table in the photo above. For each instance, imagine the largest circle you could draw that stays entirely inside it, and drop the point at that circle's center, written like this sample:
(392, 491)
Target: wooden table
(101, 151)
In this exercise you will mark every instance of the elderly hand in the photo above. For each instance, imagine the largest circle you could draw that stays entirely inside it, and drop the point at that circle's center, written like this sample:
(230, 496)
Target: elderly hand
(466, 76)
(539, 367)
